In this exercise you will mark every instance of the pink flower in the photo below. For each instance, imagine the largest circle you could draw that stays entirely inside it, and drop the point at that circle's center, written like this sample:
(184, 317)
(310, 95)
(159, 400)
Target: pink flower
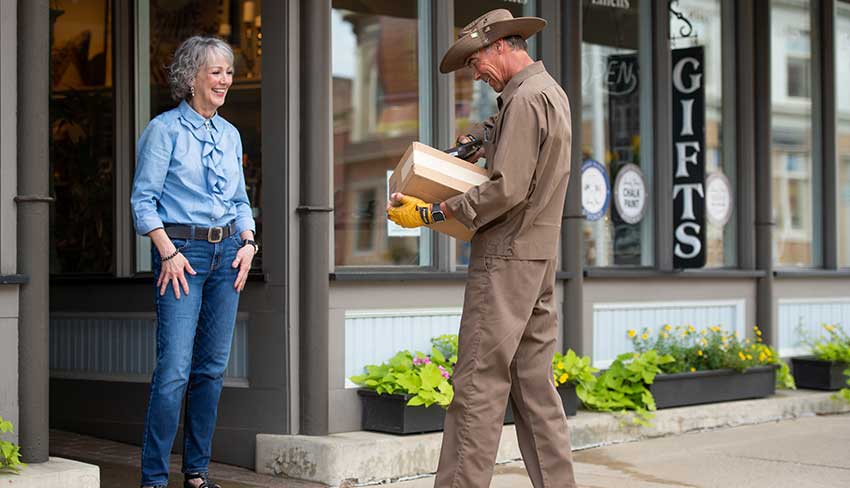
(444, 372)
(421, 361)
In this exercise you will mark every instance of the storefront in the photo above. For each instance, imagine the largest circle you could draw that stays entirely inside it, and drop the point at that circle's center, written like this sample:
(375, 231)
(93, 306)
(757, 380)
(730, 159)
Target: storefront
(712, 135)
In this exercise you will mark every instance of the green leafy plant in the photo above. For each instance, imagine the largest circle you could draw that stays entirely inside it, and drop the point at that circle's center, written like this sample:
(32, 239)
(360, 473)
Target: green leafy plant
(425, 377)
(834, 347)
(624, 386)
(710, 348)
(10, 454)
(570, 368)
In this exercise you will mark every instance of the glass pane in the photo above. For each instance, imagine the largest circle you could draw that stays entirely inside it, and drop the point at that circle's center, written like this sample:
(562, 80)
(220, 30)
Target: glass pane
(239, 23)
(791, 145)
(82, 152)
(706, 31)
(376, 98)
(842, 110)
(475, 102)
(616, 132)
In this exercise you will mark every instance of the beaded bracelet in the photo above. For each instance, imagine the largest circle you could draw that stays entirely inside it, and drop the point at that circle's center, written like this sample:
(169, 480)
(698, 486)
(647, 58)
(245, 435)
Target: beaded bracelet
(175, 253)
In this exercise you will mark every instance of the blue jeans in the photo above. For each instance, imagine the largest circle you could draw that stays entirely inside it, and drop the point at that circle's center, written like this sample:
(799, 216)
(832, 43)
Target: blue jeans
(193, 340)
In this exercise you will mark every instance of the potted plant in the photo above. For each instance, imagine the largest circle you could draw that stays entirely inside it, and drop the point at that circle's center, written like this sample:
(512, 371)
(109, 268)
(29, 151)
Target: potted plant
(398, 396)
(570, 370)
(828, 367)
(711, 366)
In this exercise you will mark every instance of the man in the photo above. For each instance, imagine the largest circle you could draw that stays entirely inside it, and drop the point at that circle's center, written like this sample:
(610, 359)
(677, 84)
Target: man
(509, 325)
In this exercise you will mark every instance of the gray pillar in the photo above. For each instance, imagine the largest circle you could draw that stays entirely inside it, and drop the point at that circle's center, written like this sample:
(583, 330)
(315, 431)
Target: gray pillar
(824, 25)
(662, 117)
(764, 204)
(572, 237)
(745, 135)
(315, 214)
(33, 226)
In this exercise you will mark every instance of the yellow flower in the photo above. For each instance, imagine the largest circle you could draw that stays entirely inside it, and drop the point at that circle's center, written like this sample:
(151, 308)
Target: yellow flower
(645, 336)
(704, 331)
(693, 369)
(632, 332)
(762, 357)
(758, 332)
(664, 335)
(668, 328)
(691, 328)
(699, 353)
(749, 356)
(742, 356)
(561, 365)
(564, 377)
(704, 342)
(715, 328)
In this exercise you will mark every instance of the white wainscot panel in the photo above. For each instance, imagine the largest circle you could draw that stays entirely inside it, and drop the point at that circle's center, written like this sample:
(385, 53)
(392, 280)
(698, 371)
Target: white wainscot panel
(612, 321)
(805, 317)
(374, 336)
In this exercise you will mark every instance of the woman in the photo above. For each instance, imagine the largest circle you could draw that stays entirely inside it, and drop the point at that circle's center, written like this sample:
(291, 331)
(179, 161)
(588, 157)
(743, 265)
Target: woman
(189, 198)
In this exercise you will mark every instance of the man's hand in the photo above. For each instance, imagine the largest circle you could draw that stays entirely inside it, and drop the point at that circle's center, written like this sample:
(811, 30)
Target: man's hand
(474, 157)
(408, 211)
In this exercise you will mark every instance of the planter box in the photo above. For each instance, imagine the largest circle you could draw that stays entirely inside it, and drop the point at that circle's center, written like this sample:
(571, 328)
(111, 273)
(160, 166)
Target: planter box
(817, 374)
(391, 414)
(721, 385)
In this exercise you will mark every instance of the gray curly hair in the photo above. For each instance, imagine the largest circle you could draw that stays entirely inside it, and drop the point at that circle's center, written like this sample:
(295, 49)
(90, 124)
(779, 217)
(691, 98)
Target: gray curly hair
(188, 60)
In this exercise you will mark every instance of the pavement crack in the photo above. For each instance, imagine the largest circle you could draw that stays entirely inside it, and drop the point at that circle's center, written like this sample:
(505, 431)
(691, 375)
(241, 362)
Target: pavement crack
(787, 461)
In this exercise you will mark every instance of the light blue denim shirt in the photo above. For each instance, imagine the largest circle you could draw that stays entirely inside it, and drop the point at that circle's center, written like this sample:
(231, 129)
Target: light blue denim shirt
(189, 173)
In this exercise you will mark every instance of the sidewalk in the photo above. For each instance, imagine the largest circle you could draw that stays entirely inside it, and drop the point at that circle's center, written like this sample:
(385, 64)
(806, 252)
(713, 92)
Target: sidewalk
(810, 448)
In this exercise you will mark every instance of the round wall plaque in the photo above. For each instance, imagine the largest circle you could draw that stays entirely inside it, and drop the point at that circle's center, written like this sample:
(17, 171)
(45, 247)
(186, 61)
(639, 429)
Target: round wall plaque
(595, 192)
(718, 199)
(630, 194)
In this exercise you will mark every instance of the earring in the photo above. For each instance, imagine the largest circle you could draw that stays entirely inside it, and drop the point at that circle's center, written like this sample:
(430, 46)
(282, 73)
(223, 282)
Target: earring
(192, 91)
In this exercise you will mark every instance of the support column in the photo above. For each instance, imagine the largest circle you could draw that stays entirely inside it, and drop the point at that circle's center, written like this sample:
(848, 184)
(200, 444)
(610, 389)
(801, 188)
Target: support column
(764, 200)
(33, 226)
(572, 238)
(314, 210)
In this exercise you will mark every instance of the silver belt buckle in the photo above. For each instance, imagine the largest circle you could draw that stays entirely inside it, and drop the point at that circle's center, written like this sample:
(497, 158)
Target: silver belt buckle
(215, 234)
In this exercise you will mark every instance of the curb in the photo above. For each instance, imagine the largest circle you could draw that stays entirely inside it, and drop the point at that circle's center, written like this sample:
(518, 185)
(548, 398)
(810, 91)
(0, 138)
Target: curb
(369, 458)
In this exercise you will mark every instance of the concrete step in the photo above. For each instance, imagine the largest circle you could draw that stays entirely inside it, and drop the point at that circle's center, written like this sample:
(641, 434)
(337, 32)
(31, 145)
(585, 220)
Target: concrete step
(55, 473)
(368, 457)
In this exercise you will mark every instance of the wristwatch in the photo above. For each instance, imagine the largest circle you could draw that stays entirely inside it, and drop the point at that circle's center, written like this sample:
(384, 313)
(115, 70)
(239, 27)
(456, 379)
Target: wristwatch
(252, 243)
(437, 215)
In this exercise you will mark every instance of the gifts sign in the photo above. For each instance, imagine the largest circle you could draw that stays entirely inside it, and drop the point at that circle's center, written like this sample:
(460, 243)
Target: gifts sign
(688, 158)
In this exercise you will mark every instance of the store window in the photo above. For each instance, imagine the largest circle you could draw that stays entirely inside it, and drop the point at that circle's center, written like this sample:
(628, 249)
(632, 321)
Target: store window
(702, 30)
(795, 208)
(842, 136)
(82, 152)
(616, 134)
(377, 112)
(475, 101)
(239, 23)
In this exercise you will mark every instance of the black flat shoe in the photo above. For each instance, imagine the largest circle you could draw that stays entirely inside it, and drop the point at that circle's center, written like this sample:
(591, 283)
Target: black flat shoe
(202, 476)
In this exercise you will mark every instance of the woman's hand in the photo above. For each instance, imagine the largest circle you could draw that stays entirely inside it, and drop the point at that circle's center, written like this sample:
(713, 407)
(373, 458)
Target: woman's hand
(244, 257)
(171, 271)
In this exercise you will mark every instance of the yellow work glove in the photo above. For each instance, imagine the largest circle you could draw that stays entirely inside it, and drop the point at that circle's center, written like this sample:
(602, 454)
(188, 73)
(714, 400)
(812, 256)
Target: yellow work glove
(412, 212)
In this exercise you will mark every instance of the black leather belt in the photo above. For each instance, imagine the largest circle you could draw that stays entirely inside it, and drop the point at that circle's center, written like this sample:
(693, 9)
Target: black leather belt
(209, 234)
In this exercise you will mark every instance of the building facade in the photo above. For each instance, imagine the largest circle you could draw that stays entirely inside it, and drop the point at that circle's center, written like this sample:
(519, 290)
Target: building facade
(712, 135)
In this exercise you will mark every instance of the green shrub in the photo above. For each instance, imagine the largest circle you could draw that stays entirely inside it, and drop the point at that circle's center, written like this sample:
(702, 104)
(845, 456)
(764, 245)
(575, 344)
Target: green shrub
(10, 454)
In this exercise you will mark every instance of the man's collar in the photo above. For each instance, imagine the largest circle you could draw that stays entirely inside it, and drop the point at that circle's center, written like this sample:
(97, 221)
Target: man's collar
(194, 118)
(517, 80)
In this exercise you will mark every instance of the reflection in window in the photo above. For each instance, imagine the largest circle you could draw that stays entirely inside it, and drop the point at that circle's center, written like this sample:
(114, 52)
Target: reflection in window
(706, 17)
(375, 101)
(82, 137)
(615, 115)
(239, 23)
(794, 207)
(475, 101)
(842, 115)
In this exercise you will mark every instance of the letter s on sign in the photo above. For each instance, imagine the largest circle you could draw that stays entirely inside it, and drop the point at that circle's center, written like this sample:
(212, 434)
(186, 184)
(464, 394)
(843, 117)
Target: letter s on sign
(682, 237)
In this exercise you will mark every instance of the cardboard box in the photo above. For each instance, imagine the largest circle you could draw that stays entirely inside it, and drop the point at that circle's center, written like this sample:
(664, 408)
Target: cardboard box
(434, 176)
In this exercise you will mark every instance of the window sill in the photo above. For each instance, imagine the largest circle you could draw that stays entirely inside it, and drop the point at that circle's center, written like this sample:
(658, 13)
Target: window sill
(14, 279)
(720, 273)
(416, 276)
(812, 273)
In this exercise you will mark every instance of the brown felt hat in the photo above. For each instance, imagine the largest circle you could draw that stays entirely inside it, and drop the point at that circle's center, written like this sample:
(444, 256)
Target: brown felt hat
(486, 30)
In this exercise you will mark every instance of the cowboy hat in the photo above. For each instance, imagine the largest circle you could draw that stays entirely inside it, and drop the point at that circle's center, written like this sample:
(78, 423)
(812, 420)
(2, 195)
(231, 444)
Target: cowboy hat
(486, 30)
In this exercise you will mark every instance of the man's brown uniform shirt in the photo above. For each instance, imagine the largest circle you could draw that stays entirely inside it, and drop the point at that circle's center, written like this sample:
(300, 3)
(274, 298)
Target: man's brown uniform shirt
(517, 212)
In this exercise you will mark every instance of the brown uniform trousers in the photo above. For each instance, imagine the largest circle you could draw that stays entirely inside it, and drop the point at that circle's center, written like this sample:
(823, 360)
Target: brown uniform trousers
(509, 327)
